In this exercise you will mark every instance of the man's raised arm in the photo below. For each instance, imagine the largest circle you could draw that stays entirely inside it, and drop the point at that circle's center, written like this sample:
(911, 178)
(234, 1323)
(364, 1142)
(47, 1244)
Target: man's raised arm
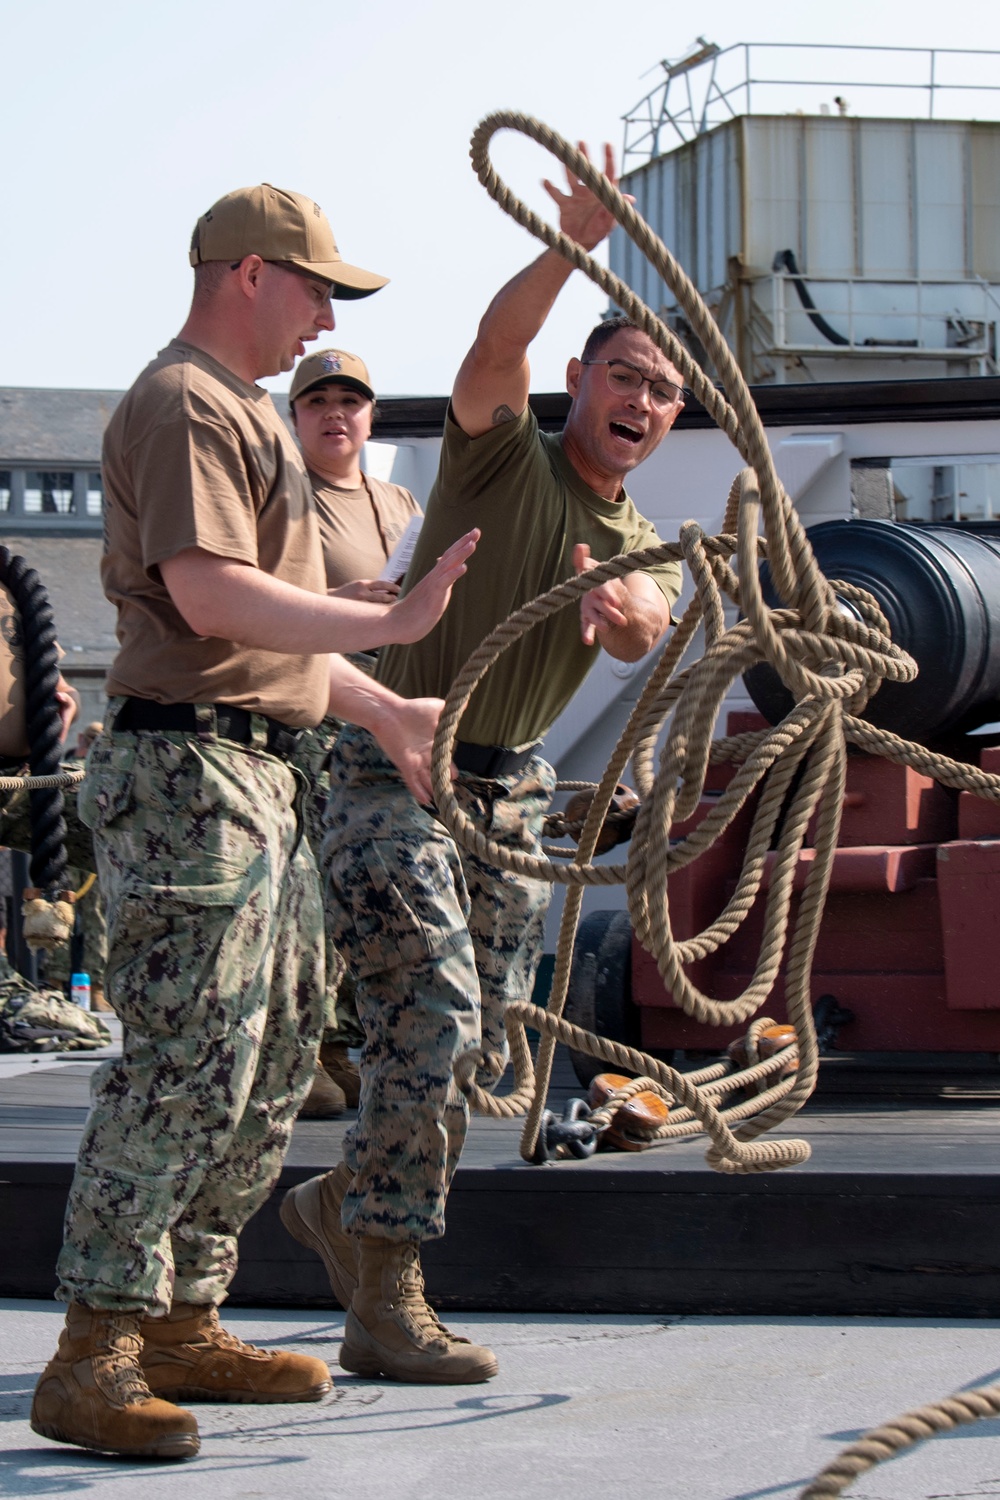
(492, 385)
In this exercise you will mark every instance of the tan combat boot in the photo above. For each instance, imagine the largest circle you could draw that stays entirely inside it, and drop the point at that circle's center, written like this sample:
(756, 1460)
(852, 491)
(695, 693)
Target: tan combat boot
(391, 1331)
(189, 1356)
(325, 1099)
(99, 1002)
(93, 1392)
(311, 1214)
(336, 1063)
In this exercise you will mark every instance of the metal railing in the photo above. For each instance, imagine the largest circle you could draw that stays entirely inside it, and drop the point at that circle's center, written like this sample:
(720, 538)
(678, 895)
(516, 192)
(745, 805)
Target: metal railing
(713, 84)
(928, 318)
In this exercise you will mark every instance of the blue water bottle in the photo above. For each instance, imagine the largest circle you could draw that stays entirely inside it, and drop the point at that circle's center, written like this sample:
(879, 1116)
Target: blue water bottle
(79, 990)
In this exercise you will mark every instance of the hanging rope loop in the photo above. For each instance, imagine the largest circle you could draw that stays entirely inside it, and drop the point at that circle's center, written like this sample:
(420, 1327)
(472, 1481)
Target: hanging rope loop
(831, 660)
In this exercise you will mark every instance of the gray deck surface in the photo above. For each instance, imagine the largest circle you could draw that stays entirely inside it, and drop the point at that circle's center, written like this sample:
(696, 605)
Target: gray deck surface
(675, 1409)
(673, 1406)
(43, 1106)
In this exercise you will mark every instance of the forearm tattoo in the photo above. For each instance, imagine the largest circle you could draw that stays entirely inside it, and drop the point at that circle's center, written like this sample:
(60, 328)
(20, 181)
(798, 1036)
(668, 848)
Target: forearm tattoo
(503, 414)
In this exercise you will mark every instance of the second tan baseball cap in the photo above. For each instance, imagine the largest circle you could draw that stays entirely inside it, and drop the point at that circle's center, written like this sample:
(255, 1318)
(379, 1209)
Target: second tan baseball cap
(331, 367)
(278, 226)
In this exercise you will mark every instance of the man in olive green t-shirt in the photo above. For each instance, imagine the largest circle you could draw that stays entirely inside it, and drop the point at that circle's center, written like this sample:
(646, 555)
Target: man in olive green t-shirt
(439, 941)
(215, 966)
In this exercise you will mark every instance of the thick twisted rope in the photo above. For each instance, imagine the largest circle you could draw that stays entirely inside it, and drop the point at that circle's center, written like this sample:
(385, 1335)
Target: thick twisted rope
(885, 1442)
(63, 780)
(829, 662)
(832, 665)
(41, 671)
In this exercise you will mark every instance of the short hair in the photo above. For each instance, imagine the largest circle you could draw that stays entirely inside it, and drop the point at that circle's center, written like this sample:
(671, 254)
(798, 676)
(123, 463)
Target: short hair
(604, 333)
(208, 278)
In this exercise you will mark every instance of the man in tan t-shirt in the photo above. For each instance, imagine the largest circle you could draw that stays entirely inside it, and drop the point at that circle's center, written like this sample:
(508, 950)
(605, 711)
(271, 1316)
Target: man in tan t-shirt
(213, 559)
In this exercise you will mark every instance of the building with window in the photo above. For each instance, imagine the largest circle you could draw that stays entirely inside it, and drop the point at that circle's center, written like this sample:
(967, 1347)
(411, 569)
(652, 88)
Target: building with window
(50, 459)
(51, 503)
(51, 515)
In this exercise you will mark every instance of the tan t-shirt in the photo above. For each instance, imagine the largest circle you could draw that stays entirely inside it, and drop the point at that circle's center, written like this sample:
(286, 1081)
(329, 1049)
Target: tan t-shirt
(359, 527)
(196, 457)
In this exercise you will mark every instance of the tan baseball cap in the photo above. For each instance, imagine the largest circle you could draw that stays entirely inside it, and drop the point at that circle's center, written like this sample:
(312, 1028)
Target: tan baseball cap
(331, 367)
(278, 226)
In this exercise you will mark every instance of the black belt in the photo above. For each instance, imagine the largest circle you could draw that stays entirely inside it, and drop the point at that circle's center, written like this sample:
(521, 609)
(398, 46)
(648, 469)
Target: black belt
(230, 723)
(490, 761)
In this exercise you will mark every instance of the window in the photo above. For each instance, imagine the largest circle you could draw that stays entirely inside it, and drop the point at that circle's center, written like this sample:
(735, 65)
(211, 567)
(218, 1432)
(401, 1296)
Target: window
(95, 494)
(4, 489)
(48, 492)
(964, 488)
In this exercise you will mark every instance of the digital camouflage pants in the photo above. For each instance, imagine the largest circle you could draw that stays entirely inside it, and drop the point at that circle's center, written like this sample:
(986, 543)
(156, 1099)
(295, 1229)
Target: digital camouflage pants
(439, 943)
(340, 1011)
(215, 967)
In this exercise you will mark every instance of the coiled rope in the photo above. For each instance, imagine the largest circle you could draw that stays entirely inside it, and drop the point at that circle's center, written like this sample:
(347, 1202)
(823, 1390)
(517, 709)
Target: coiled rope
(828, 660)
(831, 664)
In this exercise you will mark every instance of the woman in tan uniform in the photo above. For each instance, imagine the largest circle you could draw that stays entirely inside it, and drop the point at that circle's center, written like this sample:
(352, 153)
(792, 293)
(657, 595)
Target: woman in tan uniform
(361, 521)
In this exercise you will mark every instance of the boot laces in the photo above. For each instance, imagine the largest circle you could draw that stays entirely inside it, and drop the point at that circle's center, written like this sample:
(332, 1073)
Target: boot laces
(115, 1362)
(414, 1305)
(212, 1333)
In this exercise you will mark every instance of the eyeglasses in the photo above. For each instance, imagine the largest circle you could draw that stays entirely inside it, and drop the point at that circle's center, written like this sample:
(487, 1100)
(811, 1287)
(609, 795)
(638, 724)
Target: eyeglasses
(324, 291)
(624, 377)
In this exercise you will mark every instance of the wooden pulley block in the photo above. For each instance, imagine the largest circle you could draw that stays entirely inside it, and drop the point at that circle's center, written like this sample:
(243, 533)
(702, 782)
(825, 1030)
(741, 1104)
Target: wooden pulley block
(603, 1086)
(618, 823)
(771, 1040)
(637, 1121)
(775, 1039)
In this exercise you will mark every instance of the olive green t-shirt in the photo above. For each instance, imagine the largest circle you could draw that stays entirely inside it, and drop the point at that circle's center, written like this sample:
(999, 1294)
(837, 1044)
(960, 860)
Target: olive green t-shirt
(359, 528)
(519, 487)
(196, 457)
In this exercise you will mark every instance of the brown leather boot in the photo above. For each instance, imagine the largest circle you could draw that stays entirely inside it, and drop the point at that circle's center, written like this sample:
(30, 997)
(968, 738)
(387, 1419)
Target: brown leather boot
(311, 1214)
(93, 1392)
(325, 1100)
(98, 1001)
(188, 1356)
(391, 1331)
(337, 1064)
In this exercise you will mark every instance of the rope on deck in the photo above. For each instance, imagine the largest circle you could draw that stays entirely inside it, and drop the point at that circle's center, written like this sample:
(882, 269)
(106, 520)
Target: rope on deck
(831, 664)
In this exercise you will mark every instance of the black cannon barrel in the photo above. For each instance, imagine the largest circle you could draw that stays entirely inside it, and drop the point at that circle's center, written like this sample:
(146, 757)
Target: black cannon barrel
(939, 588)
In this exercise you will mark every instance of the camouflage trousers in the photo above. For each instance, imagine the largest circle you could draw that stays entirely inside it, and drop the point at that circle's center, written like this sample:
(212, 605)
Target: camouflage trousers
(215, 966)
(340, 1016)
(439, 943)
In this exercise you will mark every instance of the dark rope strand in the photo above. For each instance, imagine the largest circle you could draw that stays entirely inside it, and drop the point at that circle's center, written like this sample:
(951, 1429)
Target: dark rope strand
(41, 678)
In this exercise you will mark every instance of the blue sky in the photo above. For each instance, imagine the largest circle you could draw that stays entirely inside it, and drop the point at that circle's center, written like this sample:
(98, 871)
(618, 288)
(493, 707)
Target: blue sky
(123, 122)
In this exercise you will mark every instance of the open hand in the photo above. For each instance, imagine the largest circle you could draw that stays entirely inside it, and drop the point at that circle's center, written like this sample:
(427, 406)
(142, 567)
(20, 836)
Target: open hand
(427, 601)
(581, 216)
(407, 737)
(602, 607)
